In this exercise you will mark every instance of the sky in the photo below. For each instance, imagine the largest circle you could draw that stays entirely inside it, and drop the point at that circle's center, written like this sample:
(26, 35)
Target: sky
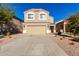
(60, 11)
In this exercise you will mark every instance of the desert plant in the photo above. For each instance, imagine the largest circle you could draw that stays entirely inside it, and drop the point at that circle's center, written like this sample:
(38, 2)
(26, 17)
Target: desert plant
(73, 24)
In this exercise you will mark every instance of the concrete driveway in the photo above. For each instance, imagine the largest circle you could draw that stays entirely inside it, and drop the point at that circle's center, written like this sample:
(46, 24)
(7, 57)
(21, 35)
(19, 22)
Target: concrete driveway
(27, 45)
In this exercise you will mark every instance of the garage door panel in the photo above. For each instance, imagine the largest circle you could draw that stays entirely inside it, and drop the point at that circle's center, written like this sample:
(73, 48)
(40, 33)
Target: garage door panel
(36, 29)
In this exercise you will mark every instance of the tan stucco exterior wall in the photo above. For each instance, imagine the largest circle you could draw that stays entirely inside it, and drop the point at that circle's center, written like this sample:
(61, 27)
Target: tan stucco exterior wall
(36, 21)
(36, 14)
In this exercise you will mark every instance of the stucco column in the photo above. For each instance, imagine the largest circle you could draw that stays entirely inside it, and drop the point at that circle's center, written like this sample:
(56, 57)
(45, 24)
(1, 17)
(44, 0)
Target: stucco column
(24, 28)
(64, 27)
(54, 28)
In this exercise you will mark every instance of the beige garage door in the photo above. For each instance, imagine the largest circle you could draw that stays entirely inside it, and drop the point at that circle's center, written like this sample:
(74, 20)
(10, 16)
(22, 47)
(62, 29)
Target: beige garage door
(36, 30)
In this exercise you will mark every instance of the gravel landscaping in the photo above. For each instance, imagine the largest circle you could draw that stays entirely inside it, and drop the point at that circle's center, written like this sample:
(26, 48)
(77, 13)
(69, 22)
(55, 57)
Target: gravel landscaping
(70, 47)
(4, 40)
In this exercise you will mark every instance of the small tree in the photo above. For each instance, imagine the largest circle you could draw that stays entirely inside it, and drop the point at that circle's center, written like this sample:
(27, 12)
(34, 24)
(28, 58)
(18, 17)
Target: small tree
(73, 24)
(6, 15)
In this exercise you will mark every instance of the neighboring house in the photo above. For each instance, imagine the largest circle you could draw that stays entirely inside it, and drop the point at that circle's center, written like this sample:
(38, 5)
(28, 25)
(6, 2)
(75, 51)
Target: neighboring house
(38, 21)
(61, 25)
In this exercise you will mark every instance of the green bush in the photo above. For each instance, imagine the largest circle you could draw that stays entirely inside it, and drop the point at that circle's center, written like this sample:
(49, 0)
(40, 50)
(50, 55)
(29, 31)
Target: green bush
(1, 36)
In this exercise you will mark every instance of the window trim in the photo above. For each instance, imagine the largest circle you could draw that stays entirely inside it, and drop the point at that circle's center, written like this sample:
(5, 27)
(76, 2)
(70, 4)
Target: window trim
(30, 17)
(42, 16)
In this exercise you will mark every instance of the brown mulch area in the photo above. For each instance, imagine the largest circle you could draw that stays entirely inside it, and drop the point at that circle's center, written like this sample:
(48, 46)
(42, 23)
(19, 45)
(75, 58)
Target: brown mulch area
(70, 47)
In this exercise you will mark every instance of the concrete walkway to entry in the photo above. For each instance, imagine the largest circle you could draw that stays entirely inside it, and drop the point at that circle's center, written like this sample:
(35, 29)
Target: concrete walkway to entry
(27, 45)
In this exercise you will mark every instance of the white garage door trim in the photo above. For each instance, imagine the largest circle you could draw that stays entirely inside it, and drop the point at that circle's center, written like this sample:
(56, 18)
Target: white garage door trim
(36, 29)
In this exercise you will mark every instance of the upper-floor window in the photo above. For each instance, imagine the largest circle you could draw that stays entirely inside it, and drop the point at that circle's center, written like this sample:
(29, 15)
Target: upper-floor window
(30, 16)
(42, 16)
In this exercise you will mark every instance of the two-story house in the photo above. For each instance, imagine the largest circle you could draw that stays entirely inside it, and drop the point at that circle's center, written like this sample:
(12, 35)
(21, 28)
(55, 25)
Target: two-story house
(37, 21)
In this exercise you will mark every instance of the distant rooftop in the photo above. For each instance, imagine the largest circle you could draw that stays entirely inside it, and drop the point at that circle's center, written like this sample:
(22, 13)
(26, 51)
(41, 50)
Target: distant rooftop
(59, 21)
(18, 18)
